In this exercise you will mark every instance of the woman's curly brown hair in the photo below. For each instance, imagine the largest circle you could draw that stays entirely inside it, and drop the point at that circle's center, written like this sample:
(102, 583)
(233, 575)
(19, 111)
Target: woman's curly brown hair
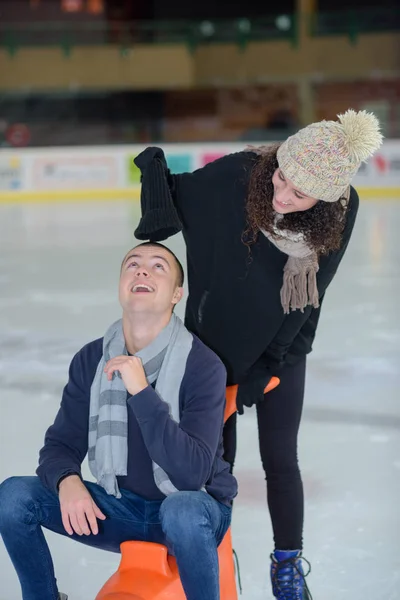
(322, 225)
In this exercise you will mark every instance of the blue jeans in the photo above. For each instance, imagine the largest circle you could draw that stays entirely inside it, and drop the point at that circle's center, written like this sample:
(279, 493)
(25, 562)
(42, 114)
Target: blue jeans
(191, 524)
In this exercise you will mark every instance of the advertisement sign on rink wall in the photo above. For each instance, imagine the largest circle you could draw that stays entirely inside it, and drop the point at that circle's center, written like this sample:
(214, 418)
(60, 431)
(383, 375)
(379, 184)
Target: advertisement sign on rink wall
(75, 172)
(108, 172)
(10, 172)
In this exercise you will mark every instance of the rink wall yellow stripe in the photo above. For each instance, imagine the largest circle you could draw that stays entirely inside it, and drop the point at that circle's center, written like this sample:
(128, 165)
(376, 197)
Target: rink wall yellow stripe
(134, 194)
(70, 196)
(378, 193)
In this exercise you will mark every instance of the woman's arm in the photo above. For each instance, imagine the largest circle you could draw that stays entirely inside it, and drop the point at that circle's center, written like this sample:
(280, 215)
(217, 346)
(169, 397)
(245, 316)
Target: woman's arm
(160, 218)
(171, 203)
(298, 327)
(297, 322)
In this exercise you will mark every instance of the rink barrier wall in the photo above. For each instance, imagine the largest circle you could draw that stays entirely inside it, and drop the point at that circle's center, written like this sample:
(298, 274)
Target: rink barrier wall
(108, 172)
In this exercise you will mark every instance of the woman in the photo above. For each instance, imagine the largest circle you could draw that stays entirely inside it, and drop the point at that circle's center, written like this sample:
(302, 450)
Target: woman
(265, 231)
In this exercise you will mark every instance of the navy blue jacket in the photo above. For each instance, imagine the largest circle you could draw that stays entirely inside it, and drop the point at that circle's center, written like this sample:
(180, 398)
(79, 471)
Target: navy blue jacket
(190, 451)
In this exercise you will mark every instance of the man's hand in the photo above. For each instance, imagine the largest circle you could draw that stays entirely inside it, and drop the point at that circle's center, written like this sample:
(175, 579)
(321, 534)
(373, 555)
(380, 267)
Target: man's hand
(78, 511)
(131, 370)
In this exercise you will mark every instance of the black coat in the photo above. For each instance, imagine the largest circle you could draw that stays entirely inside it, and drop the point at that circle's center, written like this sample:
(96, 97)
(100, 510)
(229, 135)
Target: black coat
(233, 306)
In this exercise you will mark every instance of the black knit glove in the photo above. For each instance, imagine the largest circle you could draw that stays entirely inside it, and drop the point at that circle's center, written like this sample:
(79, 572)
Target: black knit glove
(252, 391)
(160, 218)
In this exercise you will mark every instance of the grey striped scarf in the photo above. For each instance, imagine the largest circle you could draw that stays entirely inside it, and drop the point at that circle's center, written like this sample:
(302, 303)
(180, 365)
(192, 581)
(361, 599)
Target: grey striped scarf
(164, 361)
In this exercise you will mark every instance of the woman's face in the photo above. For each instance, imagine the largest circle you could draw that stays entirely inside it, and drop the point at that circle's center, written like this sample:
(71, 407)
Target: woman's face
(287, 199)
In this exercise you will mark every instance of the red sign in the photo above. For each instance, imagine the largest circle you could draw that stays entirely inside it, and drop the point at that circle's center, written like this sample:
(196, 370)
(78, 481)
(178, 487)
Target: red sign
(18, 135)
(72, 5)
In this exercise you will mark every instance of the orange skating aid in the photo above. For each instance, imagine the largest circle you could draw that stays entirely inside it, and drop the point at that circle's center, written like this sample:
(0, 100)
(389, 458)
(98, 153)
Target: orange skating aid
(231, 393)
(147, 572)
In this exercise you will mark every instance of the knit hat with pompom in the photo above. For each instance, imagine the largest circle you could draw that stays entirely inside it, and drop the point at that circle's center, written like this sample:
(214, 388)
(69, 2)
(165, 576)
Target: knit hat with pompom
(321, 159)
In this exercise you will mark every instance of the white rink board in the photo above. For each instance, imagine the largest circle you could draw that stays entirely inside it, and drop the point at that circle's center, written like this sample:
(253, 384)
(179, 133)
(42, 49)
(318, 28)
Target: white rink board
(82, 172)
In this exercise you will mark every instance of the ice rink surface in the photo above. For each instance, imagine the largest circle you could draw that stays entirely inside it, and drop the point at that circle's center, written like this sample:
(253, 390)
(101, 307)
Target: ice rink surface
(59, 268)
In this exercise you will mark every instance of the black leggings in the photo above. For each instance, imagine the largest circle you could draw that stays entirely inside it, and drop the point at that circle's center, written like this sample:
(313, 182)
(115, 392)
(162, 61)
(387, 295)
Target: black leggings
(278, 418)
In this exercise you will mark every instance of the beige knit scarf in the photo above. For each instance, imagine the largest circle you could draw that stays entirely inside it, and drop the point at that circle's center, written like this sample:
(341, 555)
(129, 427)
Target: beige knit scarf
(299, 287)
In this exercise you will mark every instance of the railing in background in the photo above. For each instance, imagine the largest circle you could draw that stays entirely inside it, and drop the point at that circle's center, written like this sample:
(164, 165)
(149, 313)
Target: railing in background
(353, 23)
(192, 33)
(243, 31)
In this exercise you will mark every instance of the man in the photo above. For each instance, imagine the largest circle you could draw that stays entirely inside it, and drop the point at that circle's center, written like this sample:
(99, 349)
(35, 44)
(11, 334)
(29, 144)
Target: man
(146, 402)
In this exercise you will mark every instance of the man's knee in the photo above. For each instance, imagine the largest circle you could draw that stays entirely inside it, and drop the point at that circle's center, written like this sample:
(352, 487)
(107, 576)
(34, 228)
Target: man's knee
(184, 513)
(15, 500)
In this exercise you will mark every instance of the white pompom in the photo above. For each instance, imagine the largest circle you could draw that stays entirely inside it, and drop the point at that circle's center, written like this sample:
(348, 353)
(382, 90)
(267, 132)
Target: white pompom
(362, 134)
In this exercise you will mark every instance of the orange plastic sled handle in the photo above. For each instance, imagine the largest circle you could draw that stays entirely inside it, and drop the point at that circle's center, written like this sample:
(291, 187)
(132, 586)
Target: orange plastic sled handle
(231, 393)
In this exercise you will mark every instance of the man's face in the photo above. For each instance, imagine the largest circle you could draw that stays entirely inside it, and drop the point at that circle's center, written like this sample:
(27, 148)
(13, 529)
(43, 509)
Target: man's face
(149, 281)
